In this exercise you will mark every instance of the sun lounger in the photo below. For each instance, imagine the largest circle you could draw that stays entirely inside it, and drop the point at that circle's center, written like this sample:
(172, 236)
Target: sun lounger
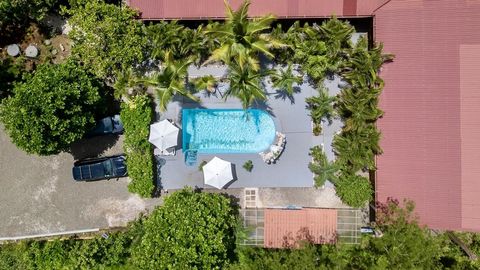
(167, 152)
(275, 149)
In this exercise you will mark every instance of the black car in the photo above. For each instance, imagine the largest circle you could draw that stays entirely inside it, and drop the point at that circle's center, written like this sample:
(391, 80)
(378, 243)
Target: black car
(107, 125)
(99, 168)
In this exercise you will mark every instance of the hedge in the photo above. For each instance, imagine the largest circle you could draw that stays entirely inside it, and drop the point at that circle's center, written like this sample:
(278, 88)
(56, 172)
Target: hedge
(136, 116)
(354, 190)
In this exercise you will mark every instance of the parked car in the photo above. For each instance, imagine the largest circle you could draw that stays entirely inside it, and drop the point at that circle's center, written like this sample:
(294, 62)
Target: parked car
(99, 168)
(107, 125)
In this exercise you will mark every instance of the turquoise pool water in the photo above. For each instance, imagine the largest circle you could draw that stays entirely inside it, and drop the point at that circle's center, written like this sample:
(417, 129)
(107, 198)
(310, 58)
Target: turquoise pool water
(227, 131)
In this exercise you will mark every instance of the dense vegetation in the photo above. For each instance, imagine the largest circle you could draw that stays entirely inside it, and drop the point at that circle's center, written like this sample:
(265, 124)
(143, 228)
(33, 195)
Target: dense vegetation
(15, 15)
(107, 38)
(204, 237)
(137, 115)
(54, 107)
(190, 231)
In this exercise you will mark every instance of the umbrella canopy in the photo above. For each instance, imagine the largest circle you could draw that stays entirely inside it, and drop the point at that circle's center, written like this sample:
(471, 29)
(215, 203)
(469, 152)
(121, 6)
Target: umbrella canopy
(217, 173)
(163, 135)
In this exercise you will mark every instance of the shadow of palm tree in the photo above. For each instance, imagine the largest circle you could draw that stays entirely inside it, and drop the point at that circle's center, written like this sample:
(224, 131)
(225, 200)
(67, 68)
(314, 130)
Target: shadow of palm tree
(263, 105)
(283, 94)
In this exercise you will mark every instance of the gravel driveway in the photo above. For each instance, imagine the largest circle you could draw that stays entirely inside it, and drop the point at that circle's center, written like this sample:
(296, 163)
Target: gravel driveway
(38, 194)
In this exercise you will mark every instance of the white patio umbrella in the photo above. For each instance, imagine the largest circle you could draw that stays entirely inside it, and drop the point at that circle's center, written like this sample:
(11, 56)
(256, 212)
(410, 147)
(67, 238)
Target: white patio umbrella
(163, 135)
(217, 173)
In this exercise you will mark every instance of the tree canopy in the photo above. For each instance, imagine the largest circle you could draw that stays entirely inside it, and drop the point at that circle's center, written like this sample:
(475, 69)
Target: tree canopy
(243, 39)
(16, 14)
(107, 37)
(190, 231)
(53, 108)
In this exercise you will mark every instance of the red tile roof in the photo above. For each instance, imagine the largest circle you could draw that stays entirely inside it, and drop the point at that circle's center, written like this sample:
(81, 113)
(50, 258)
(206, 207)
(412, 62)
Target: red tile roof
(431, 126)
(202, 9)
(284, 228)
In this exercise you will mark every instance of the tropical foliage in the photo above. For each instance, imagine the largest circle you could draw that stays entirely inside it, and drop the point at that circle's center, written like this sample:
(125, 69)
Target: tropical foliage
(203, 238)
(15, 15)
(402, 246)
(137, 115)
(53, 108)
(181, 41)
(285, 80)
(245, 84)
(208, 83)
(322, 168)
(107, 38)
(353, 189)
(170, 81)
(321, 106)
(242, 39)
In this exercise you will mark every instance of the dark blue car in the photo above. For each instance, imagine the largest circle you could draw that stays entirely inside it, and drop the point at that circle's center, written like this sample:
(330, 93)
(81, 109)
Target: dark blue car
(99, 168)
(107, 125)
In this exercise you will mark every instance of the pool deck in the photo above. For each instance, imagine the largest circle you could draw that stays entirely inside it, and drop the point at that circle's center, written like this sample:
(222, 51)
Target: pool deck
(291, 118)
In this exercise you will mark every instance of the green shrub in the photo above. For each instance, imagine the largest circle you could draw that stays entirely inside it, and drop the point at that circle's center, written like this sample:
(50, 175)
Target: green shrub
(322, 168)
(136, 116)
(203, 163)
(107, 37)
(354, 190)
(190, 231)
(248, 166)
(140, 170)
(53, 108)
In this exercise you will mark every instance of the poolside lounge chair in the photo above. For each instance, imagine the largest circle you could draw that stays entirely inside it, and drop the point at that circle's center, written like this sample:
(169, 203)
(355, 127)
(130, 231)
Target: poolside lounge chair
(275, 149)
(168, 152)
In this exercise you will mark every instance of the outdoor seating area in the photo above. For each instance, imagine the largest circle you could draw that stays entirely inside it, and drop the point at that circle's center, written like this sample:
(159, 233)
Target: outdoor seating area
(276, 149)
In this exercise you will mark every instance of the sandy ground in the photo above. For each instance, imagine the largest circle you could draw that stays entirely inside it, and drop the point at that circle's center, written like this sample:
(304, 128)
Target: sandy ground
(39, 195)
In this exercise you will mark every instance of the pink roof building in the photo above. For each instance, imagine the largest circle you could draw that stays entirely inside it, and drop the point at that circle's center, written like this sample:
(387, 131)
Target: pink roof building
(286, 228)
(431, 99)
(431, 126)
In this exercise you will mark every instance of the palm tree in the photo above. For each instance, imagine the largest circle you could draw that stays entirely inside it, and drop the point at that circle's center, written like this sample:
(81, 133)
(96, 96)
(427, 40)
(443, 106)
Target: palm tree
(245, 85)
(364, 64)
(321, 106)
(241, 39)
(180, 40)
(284, 79)
(126, 81)
(356, 150)
(172, 80)
(322, 168)
(357, 107)
(206, 82)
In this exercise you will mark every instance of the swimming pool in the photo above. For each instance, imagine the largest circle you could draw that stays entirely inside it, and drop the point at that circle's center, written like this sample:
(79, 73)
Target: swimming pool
(227, 131)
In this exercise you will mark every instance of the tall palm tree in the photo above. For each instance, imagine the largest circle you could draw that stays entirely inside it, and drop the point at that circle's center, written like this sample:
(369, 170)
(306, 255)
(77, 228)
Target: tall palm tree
(242, 39)
(245, 85)
(172, 80)
(284, 79)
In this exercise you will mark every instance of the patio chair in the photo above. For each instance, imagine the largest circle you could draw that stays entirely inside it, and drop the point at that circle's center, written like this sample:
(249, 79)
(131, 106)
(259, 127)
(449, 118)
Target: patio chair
(167, 152)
